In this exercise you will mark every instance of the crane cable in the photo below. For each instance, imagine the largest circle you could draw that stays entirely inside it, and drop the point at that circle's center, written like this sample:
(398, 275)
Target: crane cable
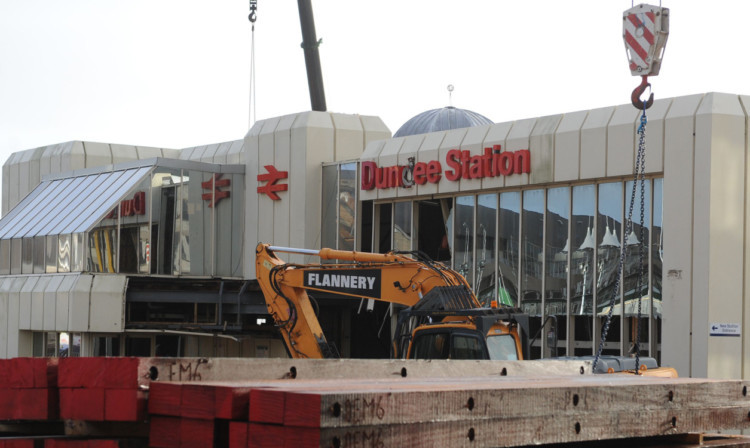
(252, 17)
(639, 181)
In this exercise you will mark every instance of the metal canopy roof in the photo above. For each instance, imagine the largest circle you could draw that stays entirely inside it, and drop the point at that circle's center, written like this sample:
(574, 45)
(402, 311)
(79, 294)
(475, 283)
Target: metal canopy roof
(69, 205)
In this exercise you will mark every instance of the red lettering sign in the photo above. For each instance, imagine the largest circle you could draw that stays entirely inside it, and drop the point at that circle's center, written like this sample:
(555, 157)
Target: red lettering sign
(130, 207)
(215, 195)
(461, 165)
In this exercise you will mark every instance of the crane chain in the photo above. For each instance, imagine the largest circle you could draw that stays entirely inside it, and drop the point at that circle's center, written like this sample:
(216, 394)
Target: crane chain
(638, 175)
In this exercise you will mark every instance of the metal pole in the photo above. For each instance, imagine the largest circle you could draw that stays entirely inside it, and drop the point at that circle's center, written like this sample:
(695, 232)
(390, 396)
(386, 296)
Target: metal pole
(312, 57)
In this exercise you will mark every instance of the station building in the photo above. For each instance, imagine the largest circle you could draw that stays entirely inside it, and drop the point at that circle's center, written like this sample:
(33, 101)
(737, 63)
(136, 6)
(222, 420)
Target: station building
(110, 250)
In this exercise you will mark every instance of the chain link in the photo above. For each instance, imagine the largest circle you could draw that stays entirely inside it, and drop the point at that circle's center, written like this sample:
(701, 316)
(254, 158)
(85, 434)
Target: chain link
(639, 174)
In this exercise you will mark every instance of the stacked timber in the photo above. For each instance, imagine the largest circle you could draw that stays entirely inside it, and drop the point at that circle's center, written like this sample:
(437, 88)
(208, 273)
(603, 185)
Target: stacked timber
(230, 402)
(28, 389)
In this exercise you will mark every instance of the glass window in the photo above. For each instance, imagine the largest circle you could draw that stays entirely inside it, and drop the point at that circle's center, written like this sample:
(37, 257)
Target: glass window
(463, 238)
(15, 256)
(57, 208)
(39, 259)
(431, 346)
(582, 261)
(37, 343)
(328, 227)
(532, 251)
(508, 250)
(4, 257)
(485, 248)
(102, 244)
(609, 233)
(196, 234)
(135, 228)
(165, 230)
(50, 345)
(347, 206)
(106, 346)
(466, 347)
(224, 212)
(384, 215)
(657, 258)
(238, 223)
(77, 257)
(556, 268)
(502, 347)
(635, 269)
(27, 256)
(50, 255)
(402, 226)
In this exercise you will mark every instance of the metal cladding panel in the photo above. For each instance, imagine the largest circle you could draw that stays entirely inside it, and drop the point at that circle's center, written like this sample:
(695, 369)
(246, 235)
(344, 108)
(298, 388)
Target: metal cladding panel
(453, 140)
(220, 156)
(80, 303)
(474, 143)
(55, 209)
(56, 162)
(568, 146)
(349, 139)
(34, 168)
(496, 135)
(655, 135)
(108, 303)
(679, 154)
(123, 153)
(371, 154)
(186, 154)
(594, 143)
(24, 174)
(430, 150)
(4, 318)
(15, 179)
(252, 221)
(6, 187)
(374, 128)
(97, 154)
(75, 156)
(519, 138)
(208, 154)
(266, 156)
(541, 148)
(147, 152)
(197, 153)
(62, 305)
(236, 153)
(621, 140)
(388, 158)
(37, 302)
(50, 302)
(23, 287)
(45, 160)
(283, 162)
(410, 148)
(10, 288)
(728, 172)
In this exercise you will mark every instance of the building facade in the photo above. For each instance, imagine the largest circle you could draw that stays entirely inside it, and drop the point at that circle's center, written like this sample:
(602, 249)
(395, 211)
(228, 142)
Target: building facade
(155, 255)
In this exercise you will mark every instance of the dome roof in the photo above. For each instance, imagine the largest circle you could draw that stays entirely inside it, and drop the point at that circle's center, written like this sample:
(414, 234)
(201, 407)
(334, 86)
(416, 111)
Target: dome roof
(441, 120)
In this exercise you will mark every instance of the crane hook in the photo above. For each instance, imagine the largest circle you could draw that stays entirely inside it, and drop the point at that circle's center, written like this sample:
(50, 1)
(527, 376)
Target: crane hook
(635, 97)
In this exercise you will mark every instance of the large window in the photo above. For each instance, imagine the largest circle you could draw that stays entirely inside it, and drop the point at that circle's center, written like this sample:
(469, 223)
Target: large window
(554, 253)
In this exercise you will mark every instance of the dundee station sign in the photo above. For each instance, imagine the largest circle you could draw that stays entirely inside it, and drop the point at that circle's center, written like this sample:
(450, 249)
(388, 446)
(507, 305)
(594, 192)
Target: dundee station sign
(460, 165)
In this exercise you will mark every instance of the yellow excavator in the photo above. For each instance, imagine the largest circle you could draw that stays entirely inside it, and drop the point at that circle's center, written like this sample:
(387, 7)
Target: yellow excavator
(442, 318)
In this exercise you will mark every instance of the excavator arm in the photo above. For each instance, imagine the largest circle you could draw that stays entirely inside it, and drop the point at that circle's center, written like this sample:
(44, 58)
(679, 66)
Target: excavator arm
(393, 278)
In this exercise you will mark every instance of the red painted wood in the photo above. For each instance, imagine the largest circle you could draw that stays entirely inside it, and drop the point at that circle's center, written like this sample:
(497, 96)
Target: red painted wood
(23, 443)
(36, 404)
(238, 434)
(45, 372)
(21, 373)
(298, 437)
(164, 398)
(301, 409)
(72, 372)
(198, 401)
(87, 404)
(164, 432)
(232, 402)
(7, 398)
(124, 405)
(267, 406)
(265, 436)
(4, 373)
(119, 373)
(196, 433)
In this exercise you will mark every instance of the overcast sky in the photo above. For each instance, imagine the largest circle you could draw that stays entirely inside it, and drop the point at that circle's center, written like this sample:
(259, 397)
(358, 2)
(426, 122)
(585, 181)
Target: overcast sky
(175, 74)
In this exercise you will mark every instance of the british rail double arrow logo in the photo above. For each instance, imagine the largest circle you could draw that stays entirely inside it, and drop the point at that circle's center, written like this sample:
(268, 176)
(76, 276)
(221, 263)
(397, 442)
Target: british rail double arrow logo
(271, 187)
(215, 195)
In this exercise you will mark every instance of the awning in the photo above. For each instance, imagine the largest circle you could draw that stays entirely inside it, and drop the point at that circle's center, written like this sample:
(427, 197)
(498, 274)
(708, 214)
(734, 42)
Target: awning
(70, 205)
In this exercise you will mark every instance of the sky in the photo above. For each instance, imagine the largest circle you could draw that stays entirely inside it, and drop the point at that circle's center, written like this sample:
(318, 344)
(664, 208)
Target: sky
(175, 74)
